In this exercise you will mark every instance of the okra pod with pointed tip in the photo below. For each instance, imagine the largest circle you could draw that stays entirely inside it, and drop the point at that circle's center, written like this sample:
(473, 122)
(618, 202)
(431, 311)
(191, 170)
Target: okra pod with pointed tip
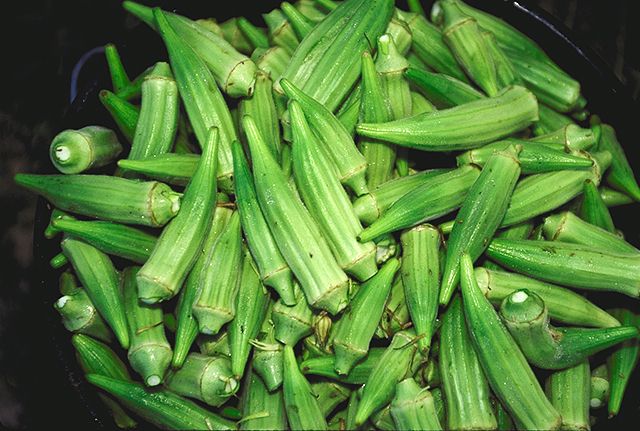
(301, 25)
(593, 209)
(214, 345)
(324, 366)
(569, 391)
(119, 78)
(413, 407)
(613, 198)
(170, 168)
(76, 151)
(292, 323)
(124, 114)
(261, 409)
(620, 175)
(420, 104)
(441, 89)
(256, 36)
(525, 315)
(232, 34)
(505, 72)
(280, 31)
(622, 362)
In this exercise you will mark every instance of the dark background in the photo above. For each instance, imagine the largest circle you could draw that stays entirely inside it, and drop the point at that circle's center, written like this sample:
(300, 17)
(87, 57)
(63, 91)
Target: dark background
(41, 42)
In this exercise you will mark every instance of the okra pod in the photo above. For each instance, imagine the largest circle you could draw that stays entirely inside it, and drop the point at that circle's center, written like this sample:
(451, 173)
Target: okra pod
(505, 72)
(301, 25)
(545, 346)
(176, 250)
(124, 114)
(292, 323)
(401, 35)
(599, 394)
(420, 104)
(214, 345)
(593, 210)
(256, 36)
(281, 31)
(329, 395)
(324, 366)
(170, 168)
(396, 313)
(147, 203)
(76, 151)
(119, 78)
(58, 261)
(441, 89)
(261, 409)
(613, 198)
(232, 34)
(413, 407)
(273, 62)
(549, 121)
(310, 10)
(569, 391)
(267, 355)
(620, 175)
(569, 137)
(51, 231)
(622, 362)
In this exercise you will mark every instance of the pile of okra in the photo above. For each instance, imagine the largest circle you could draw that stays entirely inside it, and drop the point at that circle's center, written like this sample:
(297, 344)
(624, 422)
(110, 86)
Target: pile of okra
(263, 240)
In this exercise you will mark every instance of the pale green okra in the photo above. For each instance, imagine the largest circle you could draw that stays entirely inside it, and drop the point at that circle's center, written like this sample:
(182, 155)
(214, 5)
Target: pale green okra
(569, 391)
(261, 409)
(170, 168)
(76, 151)
(292, 323)
(413, 407)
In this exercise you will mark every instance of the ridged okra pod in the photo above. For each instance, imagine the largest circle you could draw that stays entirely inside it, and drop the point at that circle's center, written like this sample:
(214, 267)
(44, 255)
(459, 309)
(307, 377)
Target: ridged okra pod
(76, 151)
(569, 137)
(326, 64)
(420, 272)
(303, 409)
(324, 366)
(205, 378)
(545, 346)
(420, 104)
(147, 203)
(214, 345)
(327, 201)
(273, 62)
(485, 120)
(120, 81)
(550, 120)
(614, 198)
(231, 32)
(149, 351)
(413, 407)
(563, 305)
(480, 215)
(215, 302)
(329, 395)
(593, 209)
(311, 10)
(396, 313)
(435, 197)
(356, 327)
(280, 31)
(569, 391)
(267, 355)
(176, 250)
(349, 163)
(124, 114)
(256, 36)
(599, 395)
(505, 72)
(261, 409)
(395, 365)
(572, 265)
(301, 25)
(296, 233)
(400, 33)
(170, 168)
(200, 95)
(504, 365)
(100, 280)
(620, 175)
(292, 323)
(622, 362)
(233, 71)
(465, 386)
(161, 408)
(441, 89)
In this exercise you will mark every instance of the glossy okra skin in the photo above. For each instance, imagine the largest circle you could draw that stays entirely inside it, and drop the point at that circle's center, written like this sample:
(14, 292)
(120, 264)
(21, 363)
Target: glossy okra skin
(76, 151)
(563, 305)
(420, 104)
(329, 395)
(613, 198)
(485, 120)
(272, 61)
(593, 209)
(301, 25)
(280, 30)
(119, 78)
(100, 280)
(480, 215)
(400, 34)
(569, 138)
(420, 272)
(569, 264)
(302, 407)
(292, 323)
(622, 362)
(620, 175)
(170, 168)
(161, 408)
(149, 351)
(256, 36)
(324, 366)
(267, 355)
(231, 32)
(550, 120)
(504, 365)
(176, 250)
(147, 203)
(349, 163)
(525, 315)
(433, 198)
(261, 409)
(465, 386)
(295, 232)
(356, 327)
(327, 201)
(441, 89)
(124, 114)
(505, 72)
(569, 391)
(413, 407)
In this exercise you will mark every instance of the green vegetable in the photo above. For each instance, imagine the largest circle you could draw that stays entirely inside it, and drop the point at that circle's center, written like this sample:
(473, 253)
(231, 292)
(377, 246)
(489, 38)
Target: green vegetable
(76, 151)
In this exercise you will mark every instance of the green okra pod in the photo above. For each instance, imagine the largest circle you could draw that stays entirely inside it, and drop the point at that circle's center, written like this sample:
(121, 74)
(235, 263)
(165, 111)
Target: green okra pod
(465, 387)
(484, 120)
(215, 301)
(261, 409)
(292, 323)
(76, 151)
(119, 78)
(613, 198)
(256, 36)
(149, 351)
(435, 197)
(563, 305)
(267, 355)
(58, 261)
(505, 72)
(100, 280)
(480, 215)
(161, 408)
(420, 104)
(281, 31)
(176, 250)
(413, 407)
(170, 168)
(569, 137)
(620, 175)
(51, 231)
(326, 200)
(349, 113)
(525, 315)
(570, 264)
(324, 366)
(356, 327)
(147, 203)
(382, 419)
(303, 409)
(599, 394)
(549, 121)
(504, 365)
(502, 417)
(569, 391)
(311, 10)
(301, 25)
(441, 89)
(400, 34)
(420, 272)
(329, 395)
(124, 114)
(593, 209)
(273, 62)
(231, 32)
(622, 362)
(295, 232)
(214, 345)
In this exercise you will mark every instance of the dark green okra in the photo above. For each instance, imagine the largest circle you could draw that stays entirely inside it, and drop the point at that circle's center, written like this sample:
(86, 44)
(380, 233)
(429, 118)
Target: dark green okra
(436, 196)
(149, 351)
(327, 201)
(120, 81)
(147, 203)
(324, 366)
(296, 233)
(261, 409)
(569, 264)
(465, 386)
(267, 355)
(413, 407)
(124, 114)
(301, 25)
(441, 89)
(51, 231)
(176, 250)
(622, 362)
(280, 31)
(620, 175)
(161, 408)
(170, 168)
(480, 215)
(292, 323)
(462, 127)
(76, 151)
(504, 365)
(562, 304)
(256, 36)
(356, 327)
(593, 210)
(100, 280)
(569, 391)
(420, 272)
(525, 315)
